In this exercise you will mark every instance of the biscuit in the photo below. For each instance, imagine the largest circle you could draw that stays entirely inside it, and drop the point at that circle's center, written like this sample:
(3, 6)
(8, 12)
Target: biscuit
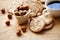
(49, 26)
(35, 6)
(47, 18)
(37, 24)
(42, 1)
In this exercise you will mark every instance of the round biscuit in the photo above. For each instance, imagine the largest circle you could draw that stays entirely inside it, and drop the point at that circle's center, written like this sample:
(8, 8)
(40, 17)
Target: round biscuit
(37, 24)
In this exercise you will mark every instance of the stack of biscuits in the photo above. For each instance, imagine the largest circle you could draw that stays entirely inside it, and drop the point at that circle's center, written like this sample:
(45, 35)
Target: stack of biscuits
(42, 22)
(38, 20)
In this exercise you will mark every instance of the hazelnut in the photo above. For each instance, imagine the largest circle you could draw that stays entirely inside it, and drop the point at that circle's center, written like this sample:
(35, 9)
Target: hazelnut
(24, 28)
(10, 16)
(23, 13)
(23, 8)
(3, 11)
(17, 14)
(8, 23)
(18, 33)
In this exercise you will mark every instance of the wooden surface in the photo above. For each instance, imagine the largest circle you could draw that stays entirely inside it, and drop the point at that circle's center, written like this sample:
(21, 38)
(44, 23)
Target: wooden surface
(52, 34)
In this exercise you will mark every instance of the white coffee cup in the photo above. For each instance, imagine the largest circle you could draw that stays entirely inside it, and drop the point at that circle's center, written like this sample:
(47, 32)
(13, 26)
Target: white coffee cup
(53, 12)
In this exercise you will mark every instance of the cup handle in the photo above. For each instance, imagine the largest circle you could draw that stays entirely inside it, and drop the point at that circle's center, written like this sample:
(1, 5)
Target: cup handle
(44, 11)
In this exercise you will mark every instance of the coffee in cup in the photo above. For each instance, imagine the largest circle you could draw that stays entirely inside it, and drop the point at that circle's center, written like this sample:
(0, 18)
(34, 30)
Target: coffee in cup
(53, 7)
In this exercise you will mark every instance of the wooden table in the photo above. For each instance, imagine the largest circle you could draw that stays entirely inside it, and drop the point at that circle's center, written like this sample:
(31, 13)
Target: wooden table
(52, 34)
